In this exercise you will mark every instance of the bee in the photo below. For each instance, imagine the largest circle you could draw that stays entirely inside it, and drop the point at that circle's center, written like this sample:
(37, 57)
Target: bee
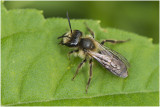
(90, 49)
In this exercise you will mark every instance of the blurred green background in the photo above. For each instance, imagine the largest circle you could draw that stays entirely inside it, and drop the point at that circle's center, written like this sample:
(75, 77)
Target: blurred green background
(141, 17)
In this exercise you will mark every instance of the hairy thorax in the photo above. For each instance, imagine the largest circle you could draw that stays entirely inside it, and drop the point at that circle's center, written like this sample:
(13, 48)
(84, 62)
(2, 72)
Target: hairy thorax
(85, 45)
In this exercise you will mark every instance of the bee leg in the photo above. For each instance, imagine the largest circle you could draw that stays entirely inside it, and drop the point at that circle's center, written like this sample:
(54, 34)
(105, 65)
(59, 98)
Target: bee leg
(71, 52)
(62, 37)
(66, 44)
(90, 75)
(114, 41)
(92, 33)
(79, 66)
(61, 43)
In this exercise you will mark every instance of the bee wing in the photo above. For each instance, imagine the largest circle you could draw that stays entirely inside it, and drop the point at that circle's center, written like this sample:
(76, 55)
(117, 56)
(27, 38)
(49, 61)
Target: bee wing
(111, 60)
(114, 53)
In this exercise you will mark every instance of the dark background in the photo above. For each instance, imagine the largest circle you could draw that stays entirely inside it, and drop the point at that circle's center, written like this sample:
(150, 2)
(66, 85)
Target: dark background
(141, 17)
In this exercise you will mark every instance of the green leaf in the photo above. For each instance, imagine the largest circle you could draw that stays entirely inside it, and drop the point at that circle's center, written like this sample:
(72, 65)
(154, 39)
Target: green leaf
(136, 99)
(36, 70)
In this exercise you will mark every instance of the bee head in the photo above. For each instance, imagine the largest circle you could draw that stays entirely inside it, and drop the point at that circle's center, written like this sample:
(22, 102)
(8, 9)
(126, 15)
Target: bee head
(72, 38)
(76, 34)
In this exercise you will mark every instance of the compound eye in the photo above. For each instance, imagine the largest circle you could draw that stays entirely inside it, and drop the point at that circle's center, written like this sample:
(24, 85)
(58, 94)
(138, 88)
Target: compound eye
(77, 33)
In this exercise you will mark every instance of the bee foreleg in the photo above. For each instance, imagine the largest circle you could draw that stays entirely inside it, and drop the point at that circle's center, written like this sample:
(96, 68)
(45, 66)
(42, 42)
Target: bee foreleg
(62, 37)
(71, 52)
(114, 41)
(91, 32)
(90, 75)
(79, 66)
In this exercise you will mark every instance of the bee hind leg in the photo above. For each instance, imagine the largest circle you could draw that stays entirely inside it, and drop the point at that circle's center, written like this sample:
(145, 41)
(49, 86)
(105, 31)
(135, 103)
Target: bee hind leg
(91, 32)
(90, 74)
(79, 66)
(114, 41)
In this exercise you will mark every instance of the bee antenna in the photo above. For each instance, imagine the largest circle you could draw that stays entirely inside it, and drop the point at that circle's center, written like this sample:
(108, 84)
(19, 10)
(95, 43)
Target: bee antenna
(69, 22)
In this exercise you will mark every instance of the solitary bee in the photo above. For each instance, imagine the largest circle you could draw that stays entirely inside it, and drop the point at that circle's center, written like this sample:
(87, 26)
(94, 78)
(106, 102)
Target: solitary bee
(88, 49)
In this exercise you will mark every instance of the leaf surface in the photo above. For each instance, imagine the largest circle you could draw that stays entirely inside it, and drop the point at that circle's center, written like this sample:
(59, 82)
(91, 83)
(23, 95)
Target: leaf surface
(36, 70)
